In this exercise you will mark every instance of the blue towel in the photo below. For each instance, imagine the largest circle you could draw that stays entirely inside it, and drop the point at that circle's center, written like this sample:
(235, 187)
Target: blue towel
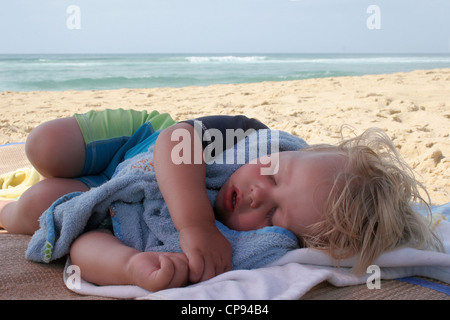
(140, 217)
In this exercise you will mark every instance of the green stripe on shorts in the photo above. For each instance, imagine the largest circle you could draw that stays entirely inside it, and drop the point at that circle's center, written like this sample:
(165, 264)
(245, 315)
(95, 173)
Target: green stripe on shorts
(111, 123)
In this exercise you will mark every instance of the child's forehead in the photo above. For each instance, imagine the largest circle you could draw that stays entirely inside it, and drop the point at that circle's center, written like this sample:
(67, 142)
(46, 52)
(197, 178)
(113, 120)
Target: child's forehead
(319, 157)
(320, 164)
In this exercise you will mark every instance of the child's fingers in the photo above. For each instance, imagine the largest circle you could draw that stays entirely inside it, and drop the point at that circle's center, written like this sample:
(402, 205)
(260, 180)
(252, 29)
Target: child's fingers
(173, 272)
(161, 278)
(209, 269)
(202, 268)
(196, 267)
(181, 276)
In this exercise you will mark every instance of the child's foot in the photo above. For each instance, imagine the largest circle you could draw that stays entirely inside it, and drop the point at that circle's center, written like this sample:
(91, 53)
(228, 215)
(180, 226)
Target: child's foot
(156, 271)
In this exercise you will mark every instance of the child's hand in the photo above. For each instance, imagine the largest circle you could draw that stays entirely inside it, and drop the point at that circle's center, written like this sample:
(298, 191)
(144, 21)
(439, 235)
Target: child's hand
(173, 272)
(156, 271)
(208, 251)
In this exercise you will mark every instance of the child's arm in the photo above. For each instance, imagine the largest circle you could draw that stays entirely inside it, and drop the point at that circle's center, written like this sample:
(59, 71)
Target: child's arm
(104, 260)
(184, 190)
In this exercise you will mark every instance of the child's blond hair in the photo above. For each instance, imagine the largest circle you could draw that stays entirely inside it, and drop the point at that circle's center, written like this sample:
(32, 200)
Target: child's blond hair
(369, 210)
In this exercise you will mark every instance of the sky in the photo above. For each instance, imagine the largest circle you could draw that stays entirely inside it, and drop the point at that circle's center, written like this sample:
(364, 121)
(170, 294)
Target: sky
(224, 26)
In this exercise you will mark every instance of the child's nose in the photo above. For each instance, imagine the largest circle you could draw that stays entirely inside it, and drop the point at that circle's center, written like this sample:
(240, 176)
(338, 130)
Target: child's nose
(257, 196)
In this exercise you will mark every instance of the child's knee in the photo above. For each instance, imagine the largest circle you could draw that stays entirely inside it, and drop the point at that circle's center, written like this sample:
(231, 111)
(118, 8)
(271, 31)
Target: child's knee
(56, 148)
(36, 145)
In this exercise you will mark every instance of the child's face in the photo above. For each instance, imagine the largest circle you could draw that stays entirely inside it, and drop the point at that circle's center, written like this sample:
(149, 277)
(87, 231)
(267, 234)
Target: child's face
(293, 198)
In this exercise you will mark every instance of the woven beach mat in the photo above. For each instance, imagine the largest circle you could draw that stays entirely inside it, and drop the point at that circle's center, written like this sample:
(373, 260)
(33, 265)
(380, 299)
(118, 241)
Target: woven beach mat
(388, 290)
(12, 157)
(20, 278)
(23, 279)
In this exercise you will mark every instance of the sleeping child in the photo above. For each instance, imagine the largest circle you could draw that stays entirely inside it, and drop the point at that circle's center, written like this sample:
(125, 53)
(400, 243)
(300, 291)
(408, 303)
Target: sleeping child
(138, 199)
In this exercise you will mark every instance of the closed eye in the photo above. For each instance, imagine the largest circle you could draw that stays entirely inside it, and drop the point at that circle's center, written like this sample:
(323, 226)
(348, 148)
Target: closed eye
(272, 179)
(270, 215)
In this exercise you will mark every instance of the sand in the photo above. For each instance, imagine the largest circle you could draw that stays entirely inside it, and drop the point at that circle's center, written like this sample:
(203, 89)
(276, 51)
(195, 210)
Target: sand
(413, 108)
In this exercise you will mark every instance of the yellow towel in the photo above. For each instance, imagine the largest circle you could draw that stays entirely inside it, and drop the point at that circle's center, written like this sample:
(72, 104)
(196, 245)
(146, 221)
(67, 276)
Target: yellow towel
(13, 184)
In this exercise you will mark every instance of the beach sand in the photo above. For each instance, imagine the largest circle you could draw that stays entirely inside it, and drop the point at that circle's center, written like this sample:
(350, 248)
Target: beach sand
(413, 108)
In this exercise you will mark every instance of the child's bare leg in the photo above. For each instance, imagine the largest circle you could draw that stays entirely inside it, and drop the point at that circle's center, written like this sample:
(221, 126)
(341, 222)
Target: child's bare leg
(22, 216)
(56, 149)
(105, 260)
(3, 204)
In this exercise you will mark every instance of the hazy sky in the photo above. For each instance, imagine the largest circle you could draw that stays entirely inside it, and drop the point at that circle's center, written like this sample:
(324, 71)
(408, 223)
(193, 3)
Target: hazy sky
(224, 26)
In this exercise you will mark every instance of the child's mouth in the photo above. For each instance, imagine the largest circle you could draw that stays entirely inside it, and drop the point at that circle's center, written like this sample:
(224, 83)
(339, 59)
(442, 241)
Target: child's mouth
(232, 199)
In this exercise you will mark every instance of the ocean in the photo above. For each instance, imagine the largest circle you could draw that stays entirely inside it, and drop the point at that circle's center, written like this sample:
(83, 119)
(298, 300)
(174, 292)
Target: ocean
(114, 71)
